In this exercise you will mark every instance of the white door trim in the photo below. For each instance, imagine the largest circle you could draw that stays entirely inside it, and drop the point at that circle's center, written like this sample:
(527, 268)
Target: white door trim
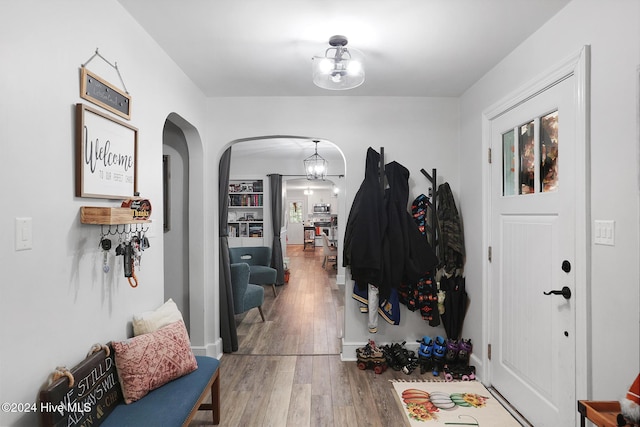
(577, 66)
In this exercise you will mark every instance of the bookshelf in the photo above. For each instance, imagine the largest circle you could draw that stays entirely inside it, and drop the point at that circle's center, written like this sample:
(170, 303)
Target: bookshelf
(245, 223)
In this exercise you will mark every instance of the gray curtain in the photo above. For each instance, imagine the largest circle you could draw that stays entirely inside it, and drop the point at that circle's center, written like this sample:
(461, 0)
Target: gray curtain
(227, 320)
(275, 190)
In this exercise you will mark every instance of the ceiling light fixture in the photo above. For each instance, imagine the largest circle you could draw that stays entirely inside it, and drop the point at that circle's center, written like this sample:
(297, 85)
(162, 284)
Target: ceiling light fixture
(308, 192)
(340, 68)
(315, 165)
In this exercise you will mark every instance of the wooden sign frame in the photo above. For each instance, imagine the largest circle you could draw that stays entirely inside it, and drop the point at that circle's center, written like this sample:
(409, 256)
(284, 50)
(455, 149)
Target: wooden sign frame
(100, 92)
(95, 393)
(106, 155)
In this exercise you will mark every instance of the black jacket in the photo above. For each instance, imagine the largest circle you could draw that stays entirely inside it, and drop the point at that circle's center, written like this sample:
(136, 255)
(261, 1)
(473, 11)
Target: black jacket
(365, 227)
(407, 254)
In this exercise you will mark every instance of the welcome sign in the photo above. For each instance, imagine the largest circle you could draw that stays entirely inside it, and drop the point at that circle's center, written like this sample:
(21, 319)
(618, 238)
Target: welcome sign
(106, 155)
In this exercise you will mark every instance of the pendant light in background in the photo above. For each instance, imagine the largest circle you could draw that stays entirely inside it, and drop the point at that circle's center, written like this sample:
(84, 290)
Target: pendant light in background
(315, 165)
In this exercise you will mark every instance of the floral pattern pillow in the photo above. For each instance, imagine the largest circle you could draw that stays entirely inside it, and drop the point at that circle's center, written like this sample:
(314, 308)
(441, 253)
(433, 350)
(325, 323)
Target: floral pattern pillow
(148, 361)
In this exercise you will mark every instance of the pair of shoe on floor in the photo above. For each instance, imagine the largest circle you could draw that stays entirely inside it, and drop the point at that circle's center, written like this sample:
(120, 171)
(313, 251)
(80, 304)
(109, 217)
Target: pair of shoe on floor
(399, 358)
(435, 353)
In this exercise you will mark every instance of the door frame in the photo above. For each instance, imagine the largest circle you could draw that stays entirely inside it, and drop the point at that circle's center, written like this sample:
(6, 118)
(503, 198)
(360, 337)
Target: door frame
(577, 66)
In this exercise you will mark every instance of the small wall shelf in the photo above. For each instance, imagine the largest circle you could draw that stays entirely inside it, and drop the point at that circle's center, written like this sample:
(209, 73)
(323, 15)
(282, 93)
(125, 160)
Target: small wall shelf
(109, 216)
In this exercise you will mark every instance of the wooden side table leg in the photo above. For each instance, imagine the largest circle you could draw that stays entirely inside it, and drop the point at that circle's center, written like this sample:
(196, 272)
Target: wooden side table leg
(582, 410)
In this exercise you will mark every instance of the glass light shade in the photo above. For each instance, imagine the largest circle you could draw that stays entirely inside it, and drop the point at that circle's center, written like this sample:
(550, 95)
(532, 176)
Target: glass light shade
(340, 68)
(315, 166)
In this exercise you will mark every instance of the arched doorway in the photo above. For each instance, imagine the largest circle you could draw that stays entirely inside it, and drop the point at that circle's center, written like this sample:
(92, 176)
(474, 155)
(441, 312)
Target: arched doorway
(258, 157)
(183, 140)
(175, 164)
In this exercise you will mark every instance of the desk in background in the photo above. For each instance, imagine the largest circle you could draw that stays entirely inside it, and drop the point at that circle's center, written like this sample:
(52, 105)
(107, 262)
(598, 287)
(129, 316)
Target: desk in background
(309, 237)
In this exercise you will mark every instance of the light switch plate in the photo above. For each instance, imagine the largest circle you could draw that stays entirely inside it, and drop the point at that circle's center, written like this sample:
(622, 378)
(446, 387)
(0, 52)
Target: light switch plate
(24, 238)
(604, 232)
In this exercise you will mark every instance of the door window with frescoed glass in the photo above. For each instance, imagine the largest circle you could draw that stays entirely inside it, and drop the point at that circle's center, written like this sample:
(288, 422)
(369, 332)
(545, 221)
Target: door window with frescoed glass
(530, 157)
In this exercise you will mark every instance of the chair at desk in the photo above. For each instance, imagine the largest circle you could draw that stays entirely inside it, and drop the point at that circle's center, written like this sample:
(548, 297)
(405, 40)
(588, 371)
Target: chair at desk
(309, 238)
(330, 252)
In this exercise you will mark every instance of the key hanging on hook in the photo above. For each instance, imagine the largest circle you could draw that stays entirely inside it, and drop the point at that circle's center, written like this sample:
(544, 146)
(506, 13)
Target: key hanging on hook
(105, 244)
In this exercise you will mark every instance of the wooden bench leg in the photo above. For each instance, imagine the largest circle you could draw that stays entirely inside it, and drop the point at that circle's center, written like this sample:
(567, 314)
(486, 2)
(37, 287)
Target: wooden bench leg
(214, 406)
(261, 313)
(215, 399)
(273, 285)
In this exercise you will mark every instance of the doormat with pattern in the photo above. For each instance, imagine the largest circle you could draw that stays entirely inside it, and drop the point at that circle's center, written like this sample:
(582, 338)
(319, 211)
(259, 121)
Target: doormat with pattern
(456, 403)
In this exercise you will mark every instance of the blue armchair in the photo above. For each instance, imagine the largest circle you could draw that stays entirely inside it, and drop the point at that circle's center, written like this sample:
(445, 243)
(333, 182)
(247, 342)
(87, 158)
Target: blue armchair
(245, 295)
(259, 260)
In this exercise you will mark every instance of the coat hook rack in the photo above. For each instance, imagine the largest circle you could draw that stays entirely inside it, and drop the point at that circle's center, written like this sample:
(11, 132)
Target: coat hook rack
(433, 195)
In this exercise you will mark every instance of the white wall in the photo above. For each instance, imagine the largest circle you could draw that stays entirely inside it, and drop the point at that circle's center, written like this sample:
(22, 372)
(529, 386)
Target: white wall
(416, 132)
(613, 31)
(55, 302)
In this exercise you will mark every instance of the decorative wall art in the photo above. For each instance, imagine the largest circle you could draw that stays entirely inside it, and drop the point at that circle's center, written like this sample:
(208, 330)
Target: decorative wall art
(100, 92)
(106, 155)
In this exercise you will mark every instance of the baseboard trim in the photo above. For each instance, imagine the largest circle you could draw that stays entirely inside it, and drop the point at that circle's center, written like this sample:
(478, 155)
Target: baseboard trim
(211, 349)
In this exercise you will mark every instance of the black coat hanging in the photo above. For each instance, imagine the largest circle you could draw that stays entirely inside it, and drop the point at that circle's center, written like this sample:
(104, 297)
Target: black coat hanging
(365, 227)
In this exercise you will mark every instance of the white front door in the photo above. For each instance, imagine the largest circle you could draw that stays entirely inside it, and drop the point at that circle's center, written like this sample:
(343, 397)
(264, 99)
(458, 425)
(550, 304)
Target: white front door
(534, 146)
(295, 224)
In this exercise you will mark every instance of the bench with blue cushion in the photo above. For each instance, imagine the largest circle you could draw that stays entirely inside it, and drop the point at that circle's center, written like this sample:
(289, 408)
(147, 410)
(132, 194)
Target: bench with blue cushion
(95, 397)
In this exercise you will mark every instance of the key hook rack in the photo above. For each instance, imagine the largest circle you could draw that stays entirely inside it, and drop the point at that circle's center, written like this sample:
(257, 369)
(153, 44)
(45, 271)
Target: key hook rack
(122, 229)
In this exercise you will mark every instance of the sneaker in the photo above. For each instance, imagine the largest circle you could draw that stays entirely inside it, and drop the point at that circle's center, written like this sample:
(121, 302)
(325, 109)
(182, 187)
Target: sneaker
(424, 354)
(451, 355)
(400, 358)
(426, 347)
(464, 351)
(371, 357)
(439, 350)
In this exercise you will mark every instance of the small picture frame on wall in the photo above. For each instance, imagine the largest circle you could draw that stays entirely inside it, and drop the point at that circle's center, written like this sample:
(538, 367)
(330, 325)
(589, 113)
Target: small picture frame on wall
(102, 93)
(106, 155)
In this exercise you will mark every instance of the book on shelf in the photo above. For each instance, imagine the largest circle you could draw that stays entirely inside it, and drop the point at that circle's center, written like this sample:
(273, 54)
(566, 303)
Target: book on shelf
(245, 200)
(246, 187)
(255, 230)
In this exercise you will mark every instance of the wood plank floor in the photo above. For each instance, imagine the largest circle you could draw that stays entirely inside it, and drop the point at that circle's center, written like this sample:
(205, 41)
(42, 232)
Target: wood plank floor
(302, 320)
(288, 372)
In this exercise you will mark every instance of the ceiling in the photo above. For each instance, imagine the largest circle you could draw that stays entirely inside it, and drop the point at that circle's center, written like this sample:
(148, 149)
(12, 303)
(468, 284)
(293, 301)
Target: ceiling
(438, 48)
(433, 48)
